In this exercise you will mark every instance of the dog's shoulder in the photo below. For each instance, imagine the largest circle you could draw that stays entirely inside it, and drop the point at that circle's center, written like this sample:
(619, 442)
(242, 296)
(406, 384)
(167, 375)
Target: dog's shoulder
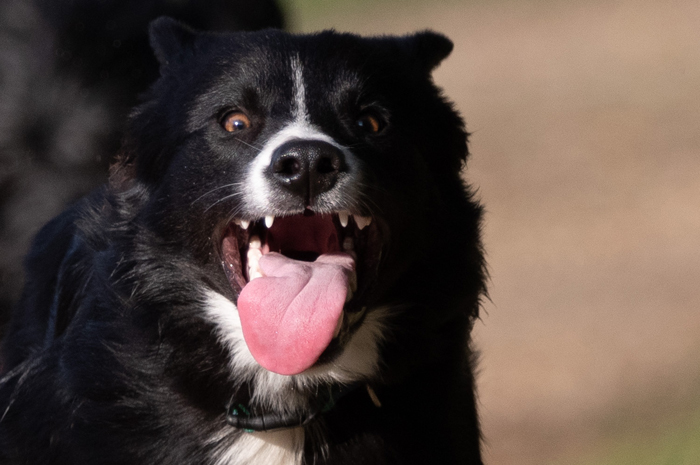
(53, 282)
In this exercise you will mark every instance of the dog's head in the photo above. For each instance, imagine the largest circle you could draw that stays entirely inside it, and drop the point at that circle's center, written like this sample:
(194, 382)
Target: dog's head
(312, 181)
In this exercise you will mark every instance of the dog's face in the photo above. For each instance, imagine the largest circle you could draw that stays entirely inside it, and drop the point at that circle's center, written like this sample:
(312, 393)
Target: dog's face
(309, 181)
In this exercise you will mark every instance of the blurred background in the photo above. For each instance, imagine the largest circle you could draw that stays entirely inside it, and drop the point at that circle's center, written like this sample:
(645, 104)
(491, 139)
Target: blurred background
(585, 121)
(586, 152)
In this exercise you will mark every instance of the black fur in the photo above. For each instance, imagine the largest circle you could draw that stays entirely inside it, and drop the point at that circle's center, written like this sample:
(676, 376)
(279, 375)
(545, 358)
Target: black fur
(70, 71)
(110, 359)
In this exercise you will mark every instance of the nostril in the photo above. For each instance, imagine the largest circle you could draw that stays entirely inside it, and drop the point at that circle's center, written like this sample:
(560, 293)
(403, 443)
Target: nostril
(327, 165)
(288, 166)
(306, 168)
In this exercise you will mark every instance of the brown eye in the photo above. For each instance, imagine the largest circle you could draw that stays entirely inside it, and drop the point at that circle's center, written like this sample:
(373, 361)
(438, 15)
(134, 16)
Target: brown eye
(370, 123)
(235, 121)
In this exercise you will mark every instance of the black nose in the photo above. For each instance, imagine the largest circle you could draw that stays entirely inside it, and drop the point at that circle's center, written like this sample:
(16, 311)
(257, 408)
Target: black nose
(307, 168)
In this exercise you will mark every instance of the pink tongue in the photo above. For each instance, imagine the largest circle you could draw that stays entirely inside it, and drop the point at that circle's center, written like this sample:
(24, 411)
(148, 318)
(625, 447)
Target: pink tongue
(290, 314)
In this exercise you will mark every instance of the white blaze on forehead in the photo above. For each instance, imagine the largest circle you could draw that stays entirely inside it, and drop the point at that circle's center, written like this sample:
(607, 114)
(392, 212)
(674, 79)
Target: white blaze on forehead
(258, 195)
(300, 112)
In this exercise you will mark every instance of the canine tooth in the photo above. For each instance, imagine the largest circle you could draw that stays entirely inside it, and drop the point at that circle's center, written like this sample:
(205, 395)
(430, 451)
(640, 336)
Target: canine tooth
(343, 217)
(254, 243)
(362, 221)
(237, 221)
(269, 220)
(352, 287)
(338, 326)
(245, 224)
(373, 396)
(353, 284)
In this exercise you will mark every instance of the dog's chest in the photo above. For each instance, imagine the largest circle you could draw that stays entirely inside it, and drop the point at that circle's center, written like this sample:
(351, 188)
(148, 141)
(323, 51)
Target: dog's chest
(273, 448)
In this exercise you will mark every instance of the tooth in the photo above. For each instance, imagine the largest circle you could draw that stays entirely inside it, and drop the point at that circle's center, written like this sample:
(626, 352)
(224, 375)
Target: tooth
(244, 224)
(254, 275)
(254, 243)
(237, 221)
(338, 326)
(353, 284)
(373, 396)
(343, 217)
(352, 287)
(269, 220)
(362, 221)
(254, 254)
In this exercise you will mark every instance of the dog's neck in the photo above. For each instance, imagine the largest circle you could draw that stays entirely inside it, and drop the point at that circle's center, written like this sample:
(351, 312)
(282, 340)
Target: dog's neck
(241, 416)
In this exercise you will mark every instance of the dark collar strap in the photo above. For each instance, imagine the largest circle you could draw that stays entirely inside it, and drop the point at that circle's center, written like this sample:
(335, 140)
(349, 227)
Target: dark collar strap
(240, 416)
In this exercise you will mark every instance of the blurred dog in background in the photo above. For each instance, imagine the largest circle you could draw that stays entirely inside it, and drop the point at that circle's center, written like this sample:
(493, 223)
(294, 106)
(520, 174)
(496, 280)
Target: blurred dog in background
(70, 71)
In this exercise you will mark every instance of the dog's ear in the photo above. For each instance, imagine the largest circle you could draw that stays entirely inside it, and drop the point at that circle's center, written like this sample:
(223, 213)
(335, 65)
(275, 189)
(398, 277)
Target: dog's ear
(170, 39)
(429, 48)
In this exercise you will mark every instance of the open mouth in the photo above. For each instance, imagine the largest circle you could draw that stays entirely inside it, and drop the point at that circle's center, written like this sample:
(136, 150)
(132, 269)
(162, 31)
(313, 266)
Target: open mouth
(297, 277)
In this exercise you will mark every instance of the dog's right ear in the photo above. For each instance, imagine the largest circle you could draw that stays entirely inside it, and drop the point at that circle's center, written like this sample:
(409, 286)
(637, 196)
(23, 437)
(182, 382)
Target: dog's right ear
(429, 48)
(170, 39)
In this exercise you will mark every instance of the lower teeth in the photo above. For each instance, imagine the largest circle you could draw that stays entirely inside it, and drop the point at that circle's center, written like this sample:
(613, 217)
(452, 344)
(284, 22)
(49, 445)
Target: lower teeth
(254, 254)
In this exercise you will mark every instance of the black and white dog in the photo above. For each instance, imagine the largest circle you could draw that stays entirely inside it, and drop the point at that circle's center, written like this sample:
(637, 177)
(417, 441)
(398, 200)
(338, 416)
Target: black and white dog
(284, 269)
(70, 73)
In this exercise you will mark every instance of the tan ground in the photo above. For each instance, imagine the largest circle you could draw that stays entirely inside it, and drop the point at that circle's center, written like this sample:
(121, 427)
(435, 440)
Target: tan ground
(586, 122)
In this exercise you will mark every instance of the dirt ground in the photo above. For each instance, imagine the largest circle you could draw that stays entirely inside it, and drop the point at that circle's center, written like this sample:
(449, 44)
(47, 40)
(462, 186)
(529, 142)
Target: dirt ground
(586, 152)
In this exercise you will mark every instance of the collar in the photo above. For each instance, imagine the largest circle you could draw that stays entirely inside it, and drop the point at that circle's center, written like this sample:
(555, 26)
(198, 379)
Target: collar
(241, 416)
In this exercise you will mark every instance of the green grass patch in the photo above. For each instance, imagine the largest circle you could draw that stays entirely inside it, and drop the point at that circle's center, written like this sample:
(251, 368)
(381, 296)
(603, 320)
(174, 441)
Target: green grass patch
(673, 443)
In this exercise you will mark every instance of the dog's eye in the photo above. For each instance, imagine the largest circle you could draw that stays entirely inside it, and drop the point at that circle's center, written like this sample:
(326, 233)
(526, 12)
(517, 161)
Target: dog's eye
(235, 121)
(370, 123)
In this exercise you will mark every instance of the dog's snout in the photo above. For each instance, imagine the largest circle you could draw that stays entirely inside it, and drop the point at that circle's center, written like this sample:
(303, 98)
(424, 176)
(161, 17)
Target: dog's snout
(307, 168)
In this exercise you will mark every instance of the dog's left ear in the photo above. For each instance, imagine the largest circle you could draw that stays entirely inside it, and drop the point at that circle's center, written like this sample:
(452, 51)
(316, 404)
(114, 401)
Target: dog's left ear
(170, 39)
(429, 48)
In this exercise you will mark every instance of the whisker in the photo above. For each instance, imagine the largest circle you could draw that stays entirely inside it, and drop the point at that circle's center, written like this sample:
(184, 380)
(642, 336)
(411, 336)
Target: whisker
(351, 146)
(233, 213)
(249, 145)
(233, 184)
(235, 194)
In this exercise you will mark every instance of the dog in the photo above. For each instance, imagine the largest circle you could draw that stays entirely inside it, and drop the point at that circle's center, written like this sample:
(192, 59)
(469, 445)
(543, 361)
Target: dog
(70, 72)
(284, 268)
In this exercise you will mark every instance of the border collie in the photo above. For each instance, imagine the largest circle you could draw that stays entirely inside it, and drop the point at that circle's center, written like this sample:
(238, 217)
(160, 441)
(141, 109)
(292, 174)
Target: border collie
(70, 72)
(284, 268)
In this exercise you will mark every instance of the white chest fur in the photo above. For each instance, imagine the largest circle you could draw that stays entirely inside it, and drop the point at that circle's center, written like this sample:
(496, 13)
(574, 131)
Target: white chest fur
(270, 448)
